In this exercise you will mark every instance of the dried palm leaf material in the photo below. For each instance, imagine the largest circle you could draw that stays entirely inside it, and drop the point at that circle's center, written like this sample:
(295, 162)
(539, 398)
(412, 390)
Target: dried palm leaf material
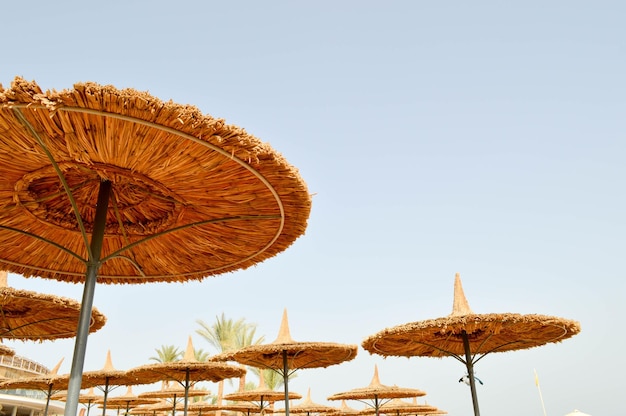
(32, 316)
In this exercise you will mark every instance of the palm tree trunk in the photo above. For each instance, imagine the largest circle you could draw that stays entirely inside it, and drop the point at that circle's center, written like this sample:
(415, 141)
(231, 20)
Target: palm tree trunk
(220, 393)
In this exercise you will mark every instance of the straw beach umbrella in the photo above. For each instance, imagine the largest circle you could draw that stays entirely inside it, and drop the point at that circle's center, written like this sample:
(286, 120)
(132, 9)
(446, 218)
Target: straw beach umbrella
(106, 379)
(88, 399)
(31, 316)
(285, 356)
(399, 407)
(119, 186)
(261, 396)
(174, 394)
(376, 394)
(49, 384)
(308, 406)
(126, 401)
(468, 337)
(186, 372)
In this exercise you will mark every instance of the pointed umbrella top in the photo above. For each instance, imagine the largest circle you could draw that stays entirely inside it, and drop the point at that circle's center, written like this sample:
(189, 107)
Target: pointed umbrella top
(108, 363)
(189, 351)
(375, 383)
(284, 336)
(460, 305)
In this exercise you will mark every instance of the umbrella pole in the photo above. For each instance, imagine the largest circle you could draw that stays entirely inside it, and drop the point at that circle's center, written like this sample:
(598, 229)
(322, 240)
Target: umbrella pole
(286, 381)
(376, 405)
(470, 372)
(45, 412)
(106, 395)
(80, 345)
(186, 392)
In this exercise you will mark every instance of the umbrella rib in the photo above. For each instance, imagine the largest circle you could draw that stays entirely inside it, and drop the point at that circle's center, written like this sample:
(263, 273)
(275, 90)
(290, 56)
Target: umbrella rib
(196, 224)
(45, 240)
(66, 186)
(10, 330)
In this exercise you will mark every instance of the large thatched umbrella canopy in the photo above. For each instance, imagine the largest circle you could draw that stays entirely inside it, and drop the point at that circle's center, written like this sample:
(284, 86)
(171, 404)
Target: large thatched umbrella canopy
(468, 336)
(377, 394)
(285, 356)
(98, 182)
(32, 316)
(190, 196)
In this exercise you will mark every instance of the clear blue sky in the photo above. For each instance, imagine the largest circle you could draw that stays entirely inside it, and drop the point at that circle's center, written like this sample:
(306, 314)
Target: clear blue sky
(485, 138)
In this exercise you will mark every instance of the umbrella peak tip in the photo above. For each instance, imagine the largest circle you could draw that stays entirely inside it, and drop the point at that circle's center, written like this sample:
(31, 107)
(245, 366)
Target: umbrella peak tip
(284, 335)
(460, 305)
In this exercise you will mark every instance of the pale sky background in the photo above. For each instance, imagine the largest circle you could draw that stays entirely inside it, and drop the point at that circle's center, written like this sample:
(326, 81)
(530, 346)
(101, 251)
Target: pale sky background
(485, 138)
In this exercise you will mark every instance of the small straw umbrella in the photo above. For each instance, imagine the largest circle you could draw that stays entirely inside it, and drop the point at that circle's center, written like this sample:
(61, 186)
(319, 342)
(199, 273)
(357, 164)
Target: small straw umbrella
(174, 394)
(160, 408)
(8, 351)
(285, 356)
(32, 316)
(308, 406)
(261, 395)
(242, 407)
(49, 383)
(116, 186)
(187, 371)
(88, 399)
(106, 379)
(377, 394)
(126, 400)
(468, 337)
(399, 407)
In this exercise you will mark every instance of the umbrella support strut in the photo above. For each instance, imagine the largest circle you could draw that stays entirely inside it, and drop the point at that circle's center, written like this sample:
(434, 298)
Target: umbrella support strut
(80, 345)
(470, 372)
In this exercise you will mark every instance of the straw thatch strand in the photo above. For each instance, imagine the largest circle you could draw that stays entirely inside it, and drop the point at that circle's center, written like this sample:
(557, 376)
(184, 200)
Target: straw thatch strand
(191, 196)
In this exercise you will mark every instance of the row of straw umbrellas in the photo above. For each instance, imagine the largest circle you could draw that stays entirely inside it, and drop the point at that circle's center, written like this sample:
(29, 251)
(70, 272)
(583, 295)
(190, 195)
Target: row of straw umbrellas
(463, 335)
(115, 186)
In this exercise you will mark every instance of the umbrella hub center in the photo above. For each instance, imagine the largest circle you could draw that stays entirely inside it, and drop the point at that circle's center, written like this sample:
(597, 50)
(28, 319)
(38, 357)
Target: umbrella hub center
(139, 205)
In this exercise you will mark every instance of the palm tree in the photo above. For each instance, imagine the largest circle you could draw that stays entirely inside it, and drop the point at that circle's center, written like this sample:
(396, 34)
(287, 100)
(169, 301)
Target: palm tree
(200, 355)
(167, 354)
(227, 335)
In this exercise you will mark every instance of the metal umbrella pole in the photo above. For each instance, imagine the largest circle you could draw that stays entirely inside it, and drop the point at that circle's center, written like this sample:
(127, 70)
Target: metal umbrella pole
(286, 381)
(470, 372)
(80, 346)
